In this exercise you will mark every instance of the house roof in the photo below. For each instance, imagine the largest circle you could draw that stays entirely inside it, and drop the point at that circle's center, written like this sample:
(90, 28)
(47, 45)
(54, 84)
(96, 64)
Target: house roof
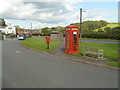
(55, 32)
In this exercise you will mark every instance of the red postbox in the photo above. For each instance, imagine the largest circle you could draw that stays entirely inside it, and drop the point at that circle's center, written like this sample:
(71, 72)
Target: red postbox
(72, 40)
(47, 39)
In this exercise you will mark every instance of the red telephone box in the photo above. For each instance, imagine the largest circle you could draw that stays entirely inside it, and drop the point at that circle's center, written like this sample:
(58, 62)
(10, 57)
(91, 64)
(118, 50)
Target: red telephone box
(72, 40)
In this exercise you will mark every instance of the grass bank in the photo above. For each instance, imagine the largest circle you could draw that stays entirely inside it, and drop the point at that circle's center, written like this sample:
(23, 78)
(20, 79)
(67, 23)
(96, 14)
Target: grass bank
(115, 64)
(40, 44)
(110, 50)
(111, 25)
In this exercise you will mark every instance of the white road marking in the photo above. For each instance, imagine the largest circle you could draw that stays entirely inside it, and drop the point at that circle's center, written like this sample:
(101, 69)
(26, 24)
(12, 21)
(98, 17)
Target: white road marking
(18, 51)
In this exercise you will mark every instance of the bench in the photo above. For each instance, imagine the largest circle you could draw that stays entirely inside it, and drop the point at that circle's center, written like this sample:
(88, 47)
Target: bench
(93, 51)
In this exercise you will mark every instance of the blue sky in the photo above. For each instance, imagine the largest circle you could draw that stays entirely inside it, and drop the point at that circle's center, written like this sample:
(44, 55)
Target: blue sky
(51, 14)
(109, 10)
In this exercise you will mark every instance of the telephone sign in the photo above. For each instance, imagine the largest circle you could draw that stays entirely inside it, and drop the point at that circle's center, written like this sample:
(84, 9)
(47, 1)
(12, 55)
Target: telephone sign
(72, 40)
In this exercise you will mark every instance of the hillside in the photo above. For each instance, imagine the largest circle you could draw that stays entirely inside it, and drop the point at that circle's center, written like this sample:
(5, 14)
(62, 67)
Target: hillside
(111, 25)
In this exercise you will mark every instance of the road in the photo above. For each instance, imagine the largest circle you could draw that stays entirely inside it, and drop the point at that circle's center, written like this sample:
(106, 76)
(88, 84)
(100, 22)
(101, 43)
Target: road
(25, 68)
(94, 41)
(100, 41)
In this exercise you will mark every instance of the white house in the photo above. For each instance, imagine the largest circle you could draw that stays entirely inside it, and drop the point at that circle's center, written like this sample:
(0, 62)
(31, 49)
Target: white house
(8, 29)
(2, 29)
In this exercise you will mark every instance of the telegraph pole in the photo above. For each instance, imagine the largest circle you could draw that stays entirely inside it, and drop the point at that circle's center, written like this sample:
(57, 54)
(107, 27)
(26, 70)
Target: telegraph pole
(31, 26)
(80, 24)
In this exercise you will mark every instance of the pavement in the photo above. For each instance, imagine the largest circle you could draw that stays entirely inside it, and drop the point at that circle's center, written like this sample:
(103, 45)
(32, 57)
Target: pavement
(27, 68)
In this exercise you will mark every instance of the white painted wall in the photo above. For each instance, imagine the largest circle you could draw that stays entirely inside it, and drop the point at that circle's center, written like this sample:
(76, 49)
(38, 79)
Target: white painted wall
(9, 29)
(2, 29)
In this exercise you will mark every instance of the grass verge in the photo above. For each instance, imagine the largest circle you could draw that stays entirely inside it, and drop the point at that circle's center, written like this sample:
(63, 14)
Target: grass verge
(40, 44)
(115, 64)
(110, 50)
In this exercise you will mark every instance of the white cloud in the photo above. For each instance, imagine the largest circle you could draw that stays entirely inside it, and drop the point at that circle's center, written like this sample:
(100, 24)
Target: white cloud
(43, 11)
(48, 13)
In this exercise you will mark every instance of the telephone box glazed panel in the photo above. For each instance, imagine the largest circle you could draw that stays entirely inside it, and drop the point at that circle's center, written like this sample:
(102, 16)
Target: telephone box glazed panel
(72, 40)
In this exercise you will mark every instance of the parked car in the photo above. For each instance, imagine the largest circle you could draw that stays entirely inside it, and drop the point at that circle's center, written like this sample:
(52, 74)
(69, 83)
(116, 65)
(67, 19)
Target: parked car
(21, 37)
(28, 35)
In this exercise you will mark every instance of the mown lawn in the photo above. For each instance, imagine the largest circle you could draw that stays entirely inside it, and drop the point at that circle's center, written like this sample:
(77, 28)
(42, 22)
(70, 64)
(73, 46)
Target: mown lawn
(40, 44)
(110, 50)
(115, 64)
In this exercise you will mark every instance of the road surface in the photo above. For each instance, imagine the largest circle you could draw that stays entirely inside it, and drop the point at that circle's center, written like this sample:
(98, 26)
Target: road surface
(93, 41)
(100, 41)
(25, 68)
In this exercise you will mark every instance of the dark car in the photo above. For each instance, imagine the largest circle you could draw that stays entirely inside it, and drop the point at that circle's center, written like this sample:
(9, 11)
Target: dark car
(28, 35)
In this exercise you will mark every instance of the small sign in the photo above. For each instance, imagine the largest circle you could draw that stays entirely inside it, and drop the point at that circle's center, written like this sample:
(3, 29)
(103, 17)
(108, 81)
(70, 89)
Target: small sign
(74, 32)
(67, 28)
(9, 27)
(74, 28)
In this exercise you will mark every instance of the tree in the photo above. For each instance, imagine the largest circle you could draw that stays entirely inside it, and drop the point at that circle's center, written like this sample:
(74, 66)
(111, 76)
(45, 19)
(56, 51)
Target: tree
(59, 28)
(2, 22)
(100, 30)
(108, 30)
(17, 29)
(89, 26)
(46, 31)
(103, 23)
(116, 30)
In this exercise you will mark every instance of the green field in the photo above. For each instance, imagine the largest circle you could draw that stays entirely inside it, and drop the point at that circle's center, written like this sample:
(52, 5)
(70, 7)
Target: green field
(111, 25)
(40, 44)
(110, 50)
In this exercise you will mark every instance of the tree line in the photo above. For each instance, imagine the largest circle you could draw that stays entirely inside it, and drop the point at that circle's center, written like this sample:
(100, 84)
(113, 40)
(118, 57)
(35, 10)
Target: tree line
(88, 28)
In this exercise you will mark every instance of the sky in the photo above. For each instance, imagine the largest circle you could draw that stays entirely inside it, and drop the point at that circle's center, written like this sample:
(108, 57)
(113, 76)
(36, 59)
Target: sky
(52, 13)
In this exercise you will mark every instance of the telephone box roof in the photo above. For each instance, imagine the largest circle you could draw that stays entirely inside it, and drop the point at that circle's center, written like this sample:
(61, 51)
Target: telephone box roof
(71, 26)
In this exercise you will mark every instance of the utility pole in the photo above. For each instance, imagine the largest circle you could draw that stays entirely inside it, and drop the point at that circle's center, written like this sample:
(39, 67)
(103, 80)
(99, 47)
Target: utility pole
(31, 26)
(80, 24)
